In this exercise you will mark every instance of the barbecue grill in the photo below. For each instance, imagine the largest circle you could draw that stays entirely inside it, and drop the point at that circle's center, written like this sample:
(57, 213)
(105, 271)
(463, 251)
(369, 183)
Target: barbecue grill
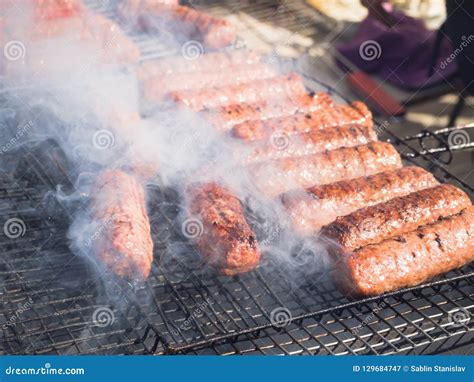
(55, 303)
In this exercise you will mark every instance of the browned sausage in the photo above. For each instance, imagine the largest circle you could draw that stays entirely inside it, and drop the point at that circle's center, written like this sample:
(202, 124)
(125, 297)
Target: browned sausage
(409, 259)
(95, 31)
(213, 61)
(339, 115)
(226, 240)
(317, 206)
(124, 244)
(156, 88)
(281, 145)
(223, 118)
(279, 176)
(112, 39)
(290, 85)
(183, 22)
(53, 9)
(374, 224)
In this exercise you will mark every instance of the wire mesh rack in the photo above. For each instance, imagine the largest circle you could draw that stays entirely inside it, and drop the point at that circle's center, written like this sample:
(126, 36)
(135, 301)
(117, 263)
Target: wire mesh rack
(51, 299)
(54, 303)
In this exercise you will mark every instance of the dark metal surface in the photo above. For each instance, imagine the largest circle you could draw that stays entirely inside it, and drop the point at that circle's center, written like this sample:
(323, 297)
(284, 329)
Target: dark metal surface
(184, 306)
(50, 297)
(447, 140)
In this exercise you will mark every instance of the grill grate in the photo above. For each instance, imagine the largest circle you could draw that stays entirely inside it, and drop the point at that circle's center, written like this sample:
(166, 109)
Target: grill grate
(54, 303)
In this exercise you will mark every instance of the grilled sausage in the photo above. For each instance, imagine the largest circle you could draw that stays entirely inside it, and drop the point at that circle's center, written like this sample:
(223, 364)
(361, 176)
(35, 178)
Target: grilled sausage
(113, 41)
(69, 20)
(340, 115)
(124, 245)
(374, 224)
(87, 29)
(317, 206)
(40, 10)
(276, 177)
(289, 85)
(183, 23)
(281, 145)
(156, 88)
(213, 32)
(223, 118)
(227, 241)
(409, 259)
(53, 9)
(209, 62)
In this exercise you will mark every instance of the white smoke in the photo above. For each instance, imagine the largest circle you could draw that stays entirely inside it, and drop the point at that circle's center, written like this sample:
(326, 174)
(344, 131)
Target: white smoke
(90, 104)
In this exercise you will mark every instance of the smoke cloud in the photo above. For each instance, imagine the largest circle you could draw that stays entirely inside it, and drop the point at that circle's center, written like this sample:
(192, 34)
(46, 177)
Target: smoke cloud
(82, 91)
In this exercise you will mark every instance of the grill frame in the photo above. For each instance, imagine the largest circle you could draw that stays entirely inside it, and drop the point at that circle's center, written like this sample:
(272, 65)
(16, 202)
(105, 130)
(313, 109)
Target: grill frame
(138, 323)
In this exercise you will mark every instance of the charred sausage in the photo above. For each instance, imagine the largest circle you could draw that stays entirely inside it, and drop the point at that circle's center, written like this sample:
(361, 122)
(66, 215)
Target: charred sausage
(281, 145)
(339, 115)
(290, 85)
(227, 241)
(183, 23)
(409, 259)
(223, 118)
(212, 31)
(279, 176)
(374, 224)
(317, 206)
(124, 245)
(157, 88)
(209, 62)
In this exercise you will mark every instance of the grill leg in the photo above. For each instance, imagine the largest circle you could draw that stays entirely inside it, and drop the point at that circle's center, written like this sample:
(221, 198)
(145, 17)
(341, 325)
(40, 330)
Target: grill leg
(457, 110)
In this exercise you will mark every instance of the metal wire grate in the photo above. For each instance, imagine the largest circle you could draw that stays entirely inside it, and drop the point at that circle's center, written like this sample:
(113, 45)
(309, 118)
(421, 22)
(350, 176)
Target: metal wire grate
(193, 309)
(51, 298)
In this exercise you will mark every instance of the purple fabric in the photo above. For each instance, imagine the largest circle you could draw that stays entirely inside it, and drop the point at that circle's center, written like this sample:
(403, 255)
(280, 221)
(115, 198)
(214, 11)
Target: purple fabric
(400, 55)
